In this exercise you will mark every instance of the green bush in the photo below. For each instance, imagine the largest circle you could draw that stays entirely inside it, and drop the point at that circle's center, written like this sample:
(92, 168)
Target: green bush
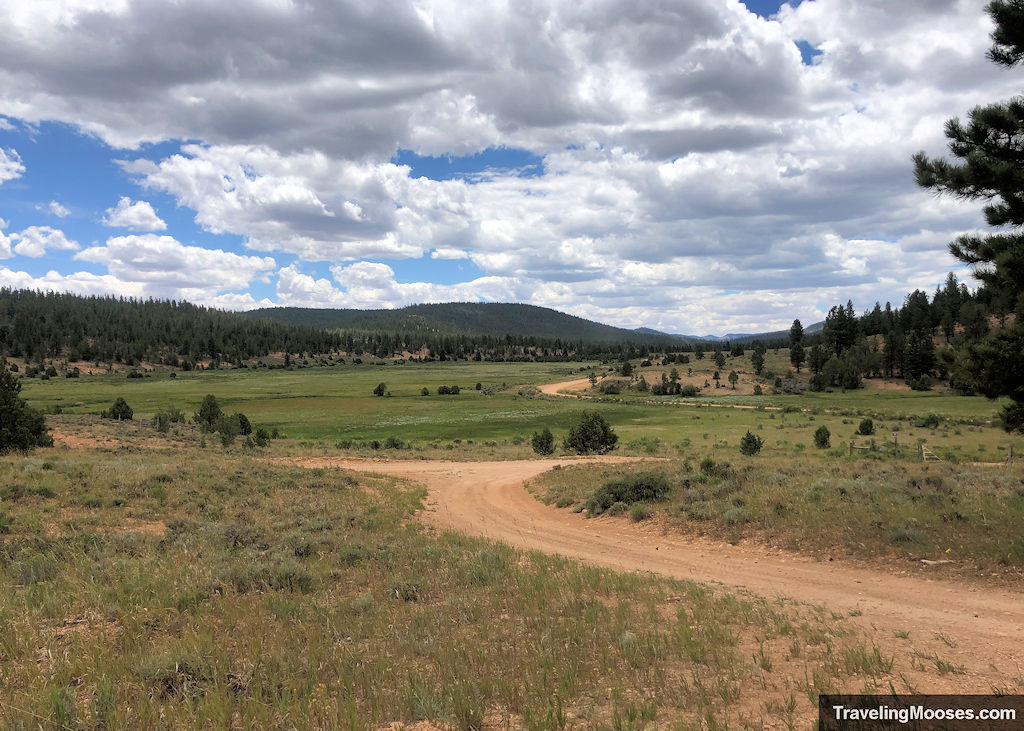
(751, 444)
(866, 428)
(822, 437)
(639, 487)
(710, 468)
(544, 442)
(120, 410)
(381, 389)
(590, 434)
(926, 422)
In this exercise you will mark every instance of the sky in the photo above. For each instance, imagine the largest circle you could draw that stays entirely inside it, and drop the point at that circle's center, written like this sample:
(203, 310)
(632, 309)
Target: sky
(694, 166)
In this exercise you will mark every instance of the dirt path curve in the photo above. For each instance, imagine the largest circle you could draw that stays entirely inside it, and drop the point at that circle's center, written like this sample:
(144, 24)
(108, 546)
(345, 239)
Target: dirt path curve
(488, 499)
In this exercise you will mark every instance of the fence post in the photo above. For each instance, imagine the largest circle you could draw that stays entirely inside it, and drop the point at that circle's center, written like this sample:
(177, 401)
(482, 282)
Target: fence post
(920, 451)
(851, 447)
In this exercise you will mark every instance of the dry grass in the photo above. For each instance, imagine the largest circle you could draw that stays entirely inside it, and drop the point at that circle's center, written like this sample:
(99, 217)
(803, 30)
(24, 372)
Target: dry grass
(972, 516)
(280, 597)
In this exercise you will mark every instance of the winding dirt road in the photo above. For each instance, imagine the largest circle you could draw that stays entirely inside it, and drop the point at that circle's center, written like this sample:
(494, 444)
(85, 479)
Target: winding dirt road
(981, 629)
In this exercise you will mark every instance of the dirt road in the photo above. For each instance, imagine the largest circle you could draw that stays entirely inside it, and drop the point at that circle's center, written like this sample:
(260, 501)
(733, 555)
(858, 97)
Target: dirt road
(978, 628)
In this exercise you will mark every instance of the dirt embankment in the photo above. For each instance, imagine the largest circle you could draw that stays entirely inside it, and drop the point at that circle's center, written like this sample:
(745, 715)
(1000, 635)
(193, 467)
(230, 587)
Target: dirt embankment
(981, 629)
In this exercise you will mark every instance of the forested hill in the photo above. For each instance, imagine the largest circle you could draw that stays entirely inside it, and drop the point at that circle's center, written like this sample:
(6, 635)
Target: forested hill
(468, 318)
(44, 326)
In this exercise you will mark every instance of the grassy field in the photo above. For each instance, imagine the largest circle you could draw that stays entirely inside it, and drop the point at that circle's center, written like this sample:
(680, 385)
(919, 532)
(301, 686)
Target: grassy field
(322, 407)
(184, 588)
(969, 516)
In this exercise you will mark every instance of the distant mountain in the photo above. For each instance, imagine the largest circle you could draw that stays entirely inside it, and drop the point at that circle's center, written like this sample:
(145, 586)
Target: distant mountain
(750, 337)
(472, 318)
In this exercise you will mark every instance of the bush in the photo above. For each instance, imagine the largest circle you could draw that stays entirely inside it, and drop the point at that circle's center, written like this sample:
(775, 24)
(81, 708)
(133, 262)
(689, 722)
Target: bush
(689, 390)
(640, 512)
(381, 389)
(244, 425)
(21, 426)
(544, 442)
(447, 390)
(751, 444)
(590, 434)
(640, 487)
(710, 468)
(424, 391)
(394, 443)
(926, 422)
(822, 436)
(866, 428)
(120, 410)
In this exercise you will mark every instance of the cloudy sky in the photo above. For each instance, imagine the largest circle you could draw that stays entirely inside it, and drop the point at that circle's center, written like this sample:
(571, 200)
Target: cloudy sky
(689, 165)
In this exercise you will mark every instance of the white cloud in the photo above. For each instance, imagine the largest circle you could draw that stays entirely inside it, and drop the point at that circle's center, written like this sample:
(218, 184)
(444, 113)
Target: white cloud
(5, 242)
(693, 167)
(137, 216)
(54, 209)
(83, 283)
(37, 241)
(11, 166)
(165, 265)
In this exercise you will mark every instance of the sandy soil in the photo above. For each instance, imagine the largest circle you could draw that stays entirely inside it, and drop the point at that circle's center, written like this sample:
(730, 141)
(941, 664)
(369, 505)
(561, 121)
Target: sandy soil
(985, 626)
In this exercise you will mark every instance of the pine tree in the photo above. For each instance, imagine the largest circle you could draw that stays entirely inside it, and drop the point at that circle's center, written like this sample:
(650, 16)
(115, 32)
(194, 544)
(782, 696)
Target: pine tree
(796, 345)
(21, 426)
(991, 148)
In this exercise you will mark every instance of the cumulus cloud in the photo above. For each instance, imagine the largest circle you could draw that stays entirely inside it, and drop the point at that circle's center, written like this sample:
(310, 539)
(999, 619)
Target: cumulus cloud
(164, 264)
(688, 153)
(137, 216)
(37, 241)
(11, 166)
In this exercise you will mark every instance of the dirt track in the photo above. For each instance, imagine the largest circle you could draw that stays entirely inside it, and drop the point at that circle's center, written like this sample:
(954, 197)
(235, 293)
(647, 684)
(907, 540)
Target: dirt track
(488, 499)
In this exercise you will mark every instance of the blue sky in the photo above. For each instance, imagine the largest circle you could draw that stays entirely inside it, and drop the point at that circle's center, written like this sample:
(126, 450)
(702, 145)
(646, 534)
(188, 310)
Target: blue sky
(710, 166)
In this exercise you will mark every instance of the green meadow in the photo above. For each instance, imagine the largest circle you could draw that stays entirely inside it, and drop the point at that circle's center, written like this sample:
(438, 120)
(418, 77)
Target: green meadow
(324, 406)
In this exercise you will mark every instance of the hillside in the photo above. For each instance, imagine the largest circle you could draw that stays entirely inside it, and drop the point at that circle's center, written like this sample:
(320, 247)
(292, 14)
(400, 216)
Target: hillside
(468, 318)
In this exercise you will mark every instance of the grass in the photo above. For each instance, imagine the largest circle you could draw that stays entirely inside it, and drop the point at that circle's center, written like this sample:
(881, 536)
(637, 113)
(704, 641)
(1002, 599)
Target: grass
(188, 588)
(326, 406)
(970, 515)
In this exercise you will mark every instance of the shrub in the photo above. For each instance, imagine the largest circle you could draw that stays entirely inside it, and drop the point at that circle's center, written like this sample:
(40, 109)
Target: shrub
(447, 390)
(751, 444)
(639, 487)
(590, 434)
(710, 468)
(424, 391)
(261, 438)
(544, 442)
(640, 512)
(926, 422)
(822, 436)
(381, 389)
(21, 426)
(689, 390)
(120, 410)
(866, 428)
(394, 443)
(244, 425)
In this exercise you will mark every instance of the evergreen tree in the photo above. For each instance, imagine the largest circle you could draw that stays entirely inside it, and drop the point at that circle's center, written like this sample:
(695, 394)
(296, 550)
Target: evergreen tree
(590, 434)
(21, 426)
(796, 345)
(990, 147)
